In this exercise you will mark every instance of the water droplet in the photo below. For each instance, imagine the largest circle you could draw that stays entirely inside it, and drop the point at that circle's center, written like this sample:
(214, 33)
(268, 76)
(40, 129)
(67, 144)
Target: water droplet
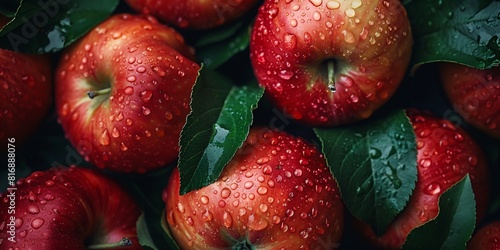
(49, 197)
(425, 163)
(242, 211)
(18, 222)
(204, 200)
(117, 35)
(146, 95)
(263, 207)
(248, 184)
(276, 219)
(131, 78)
(257, 223)
(33, 209)
(432, 189)
(262, 160)
(354, 98)
(375, 153)
(298, 172)
(423, 216)
(293, 23)
(332, 5)
(49, 183)
(304, 234)
(37, 223)
(424, 133)
(350, 12)
(104, 139)
(128, 91)
(262, 190)
(146, 111)
(221, 203)
(316, 3)
(285, 75)
(472, 160)
(141, 69)
(316, 16)
(190, 220)
(356, 4)
(23, 233)
(180, 207)
(267, 170)
(225, 193)
(227, 219)
(307, 37)
(348, 36)
(290, 41)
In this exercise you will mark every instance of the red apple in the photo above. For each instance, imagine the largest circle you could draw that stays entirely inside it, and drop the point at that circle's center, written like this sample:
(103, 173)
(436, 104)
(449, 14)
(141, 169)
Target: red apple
(194, 14)
(445, 154)
(328, 62)
(276, 193)
(25, 92)
(486, 238)
(474, 94)
(67, 208)
(123, 93)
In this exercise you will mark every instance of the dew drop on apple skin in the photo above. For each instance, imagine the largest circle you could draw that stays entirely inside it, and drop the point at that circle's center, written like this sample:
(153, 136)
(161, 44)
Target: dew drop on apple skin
(37, 223)
(432, 189)
(146, 111)
(289, 41)
(316, 3)
(104, 139)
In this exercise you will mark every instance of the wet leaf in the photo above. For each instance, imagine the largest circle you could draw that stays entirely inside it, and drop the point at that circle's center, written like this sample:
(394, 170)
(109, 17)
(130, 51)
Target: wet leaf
(44, 26)
(216, 127)
(375, 164)
(214, 54)
(453, 226)
(143, 234)
(464, 32)
(8, 8)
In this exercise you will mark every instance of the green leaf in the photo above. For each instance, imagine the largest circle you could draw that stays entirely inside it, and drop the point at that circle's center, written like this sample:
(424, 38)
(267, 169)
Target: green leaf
(214, 52)
(218, 35)
(8, 8)
(454, 225)
(464, 32)
(216, 127)
(143, 234)
(44, 26)
(375, 165)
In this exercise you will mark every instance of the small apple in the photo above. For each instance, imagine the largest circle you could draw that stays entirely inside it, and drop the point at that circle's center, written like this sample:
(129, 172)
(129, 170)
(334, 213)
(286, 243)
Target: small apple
(486, 238)
(475, 95)
(123, 93)
(67, 208)
(194, 14)
(328, 62)
(445, 154)
(276, 193)
(25, 92)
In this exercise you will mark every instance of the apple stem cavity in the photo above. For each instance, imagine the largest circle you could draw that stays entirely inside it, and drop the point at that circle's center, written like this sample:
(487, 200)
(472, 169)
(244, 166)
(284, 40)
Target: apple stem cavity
(331, 75)
(243, 245)
(124, 242)
(93, 93)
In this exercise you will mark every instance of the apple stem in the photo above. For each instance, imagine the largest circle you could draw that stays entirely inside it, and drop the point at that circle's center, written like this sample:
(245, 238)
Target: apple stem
(122, 243)
(331, 75)
(94, 93)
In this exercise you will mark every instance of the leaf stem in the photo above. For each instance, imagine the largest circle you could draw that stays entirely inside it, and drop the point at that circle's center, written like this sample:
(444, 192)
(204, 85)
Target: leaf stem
(122, 243)
(331, 75)
(93, 93)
